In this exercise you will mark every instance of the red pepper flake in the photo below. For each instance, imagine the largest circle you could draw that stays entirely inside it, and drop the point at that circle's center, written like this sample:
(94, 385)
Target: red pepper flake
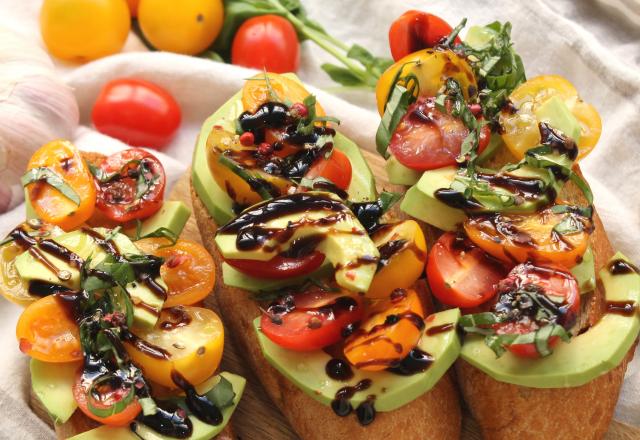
(247, 139)
(351, 275)
(298, 110)
(475, 109)
(175, 260)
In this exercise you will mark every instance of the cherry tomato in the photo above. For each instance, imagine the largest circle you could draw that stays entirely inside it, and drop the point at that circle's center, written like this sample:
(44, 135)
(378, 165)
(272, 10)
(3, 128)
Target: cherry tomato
(133, 7)
(520, 127)
(106, 400)
(192, 338)
(559, 287)
(415, 30)
(427, 138)
(336, 168)
(188, 270)
(133, 186)
(517, 238)
(390, 331)
(266, 42)
(51, 205)
(461, 274)
(311, 320)
(255, 91)
(46, 331)
(137, 112)
(279, 267)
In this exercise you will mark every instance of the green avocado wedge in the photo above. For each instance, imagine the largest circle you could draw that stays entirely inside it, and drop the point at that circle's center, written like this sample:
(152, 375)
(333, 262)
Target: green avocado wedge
(201, 430)
(307, 369)
(217, 201)
(584, 358)
(53, 384)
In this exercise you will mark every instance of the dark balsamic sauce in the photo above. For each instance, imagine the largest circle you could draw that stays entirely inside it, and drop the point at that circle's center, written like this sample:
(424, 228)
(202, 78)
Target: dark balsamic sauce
(366, 411)
(178, 318)
(169, 419)
(339, 369)
(199, 405)
(416, 361)
(437, 329)
(22, 238)
(368, 213)
(621, 267)
(42, 288)
(388, 250)
(624, 308)
(456, 199)
(146, 347)
(57, 250)
(341, 404)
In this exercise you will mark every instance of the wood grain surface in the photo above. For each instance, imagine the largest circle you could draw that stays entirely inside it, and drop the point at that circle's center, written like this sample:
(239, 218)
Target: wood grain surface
(256, 418)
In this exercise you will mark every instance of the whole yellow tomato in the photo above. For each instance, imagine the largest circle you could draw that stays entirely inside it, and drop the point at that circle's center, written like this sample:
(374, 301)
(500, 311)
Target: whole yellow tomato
(187, 26)
(81, 30)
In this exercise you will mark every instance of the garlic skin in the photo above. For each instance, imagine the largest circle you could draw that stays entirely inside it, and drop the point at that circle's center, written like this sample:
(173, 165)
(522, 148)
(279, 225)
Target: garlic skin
(36, 107)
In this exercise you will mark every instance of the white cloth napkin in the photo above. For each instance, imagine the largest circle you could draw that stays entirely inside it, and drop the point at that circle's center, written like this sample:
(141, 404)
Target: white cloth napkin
(592, 43)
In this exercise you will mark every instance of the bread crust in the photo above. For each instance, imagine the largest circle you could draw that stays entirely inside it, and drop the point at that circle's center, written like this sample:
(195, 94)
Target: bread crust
(435, 415)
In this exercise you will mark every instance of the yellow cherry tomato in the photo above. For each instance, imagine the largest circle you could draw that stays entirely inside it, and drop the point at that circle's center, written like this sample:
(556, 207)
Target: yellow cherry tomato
(520, 123)
(432, 68)
(133, 7)
(187, 340)
(81, 30)
(403, 254)
(185, 26)
(256, 91)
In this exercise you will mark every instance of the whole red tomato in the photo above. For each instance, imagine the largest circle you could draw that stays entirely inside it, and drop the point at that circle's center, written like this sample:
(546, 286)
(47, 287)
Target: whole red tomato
(266, 42)
(136, 112)
(415, 30)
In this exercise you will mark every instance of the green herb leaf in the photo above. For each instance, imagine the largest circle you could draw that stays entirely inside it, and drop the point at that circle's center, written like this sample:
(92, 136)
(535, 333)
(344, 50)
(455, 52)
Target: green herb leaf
(387, 199)
(158, 233)
(255, 183)
(396, 108)
(44, 174)
(222, 394)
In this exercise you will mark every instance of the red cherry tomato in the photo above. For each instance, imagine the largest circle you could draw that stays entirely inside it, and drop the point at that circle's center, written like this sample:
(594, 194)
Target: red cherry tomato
(559, 287)
(337, 169)
(132, 185)
(415, 30)
(136, 112)
(266, 42)
(311, 320)
(461, 274)
(426, 138)
(279, 267)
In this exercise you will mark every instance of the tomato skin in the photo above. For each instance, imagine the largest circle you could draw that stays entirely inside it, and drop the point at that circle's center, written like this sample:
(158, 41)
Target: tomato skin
(415, 30)
(337, 169)
(123, 418)
(255, 92)
(133, 7)
(266, 42)
(137, 112)
(426, 138)
(117, 198)
(279, 267)
(461, 274)
(295, 331)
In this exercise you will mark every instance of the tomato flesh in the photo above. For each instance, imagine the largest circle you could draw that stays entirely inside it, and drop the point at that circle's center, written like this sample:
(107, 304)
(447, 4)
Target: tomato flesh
(461, 274)
(297, 324)
(137, 112)
(119, 198)
(427, 138)
(336, 168)
(415, 30)
(279, 267)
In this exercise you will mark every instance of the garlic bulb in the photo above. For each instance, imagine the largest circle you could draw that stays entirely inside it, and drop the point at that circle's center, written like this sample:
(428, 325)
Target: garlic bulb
(35, 107)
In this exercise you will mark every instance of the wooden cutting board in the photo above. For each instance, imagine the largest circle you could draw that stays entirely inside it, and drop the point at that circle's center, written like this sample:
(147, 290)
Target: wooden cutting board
(256, 418)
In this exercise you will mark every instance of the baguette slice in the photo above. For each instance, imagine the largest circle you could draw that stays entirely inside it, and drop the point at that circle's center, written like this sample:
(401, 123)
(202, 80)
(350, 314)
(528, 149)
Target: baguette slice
(434, 415)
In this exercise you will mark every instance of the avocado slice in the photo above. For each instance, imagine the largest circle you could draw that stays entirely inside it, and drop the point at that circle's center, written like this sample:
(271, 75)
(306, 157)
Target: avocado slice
(217, 201)
(234, 278)
(201, 430)
(307, 369)
(173, 215)
(83, 245)
(479, 37)
(53, 384)
(399, 174)
(585, 272)
(585, 357)
(557, 114)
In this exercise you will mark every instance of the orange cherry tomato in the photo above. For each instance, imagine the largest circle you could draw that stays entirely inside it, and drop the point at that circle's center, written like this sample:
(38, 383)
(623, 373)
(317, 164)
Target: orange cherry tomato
(391, 330)
(47, 332)
(517, 238)
(188, 270)
(256, 91)
(336, 168)
(51, 205)
(108, 399)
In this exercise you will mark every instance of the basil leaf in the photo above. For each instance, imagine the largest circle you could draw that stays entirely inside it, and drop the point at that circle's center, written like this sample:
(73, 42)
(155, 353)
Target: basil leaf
(396, 108)
(222, 394)
(478, 319)
(44, 174)
(99, 174)
(569, 225)
(387, 199)
(257, 184)
(158, 233)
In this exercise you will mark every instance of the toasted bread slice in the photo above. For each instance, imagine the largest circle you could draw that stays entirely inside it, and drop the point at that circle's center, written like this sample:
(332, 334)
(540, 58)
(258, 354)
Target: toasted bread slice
(436, 414)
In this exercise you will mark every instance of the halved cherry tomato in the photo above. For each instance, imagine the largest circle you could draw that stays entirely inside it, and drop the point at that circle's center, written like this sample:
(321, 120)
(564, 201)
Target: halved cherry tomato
(106, 400)
(138, 112)
(311, 320)
(432, 68)
(192, 338)
(133, 186)
(279, 267)
(47, 332)
(391, 330)
(517, 238)
(426, 138)
(415, 30)
(336, 168)
(51, 205)
(256, 92)
(403, 252)
(559, 287)
(520, 127)
(188, 270)
(461, 274)
(266, 42)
